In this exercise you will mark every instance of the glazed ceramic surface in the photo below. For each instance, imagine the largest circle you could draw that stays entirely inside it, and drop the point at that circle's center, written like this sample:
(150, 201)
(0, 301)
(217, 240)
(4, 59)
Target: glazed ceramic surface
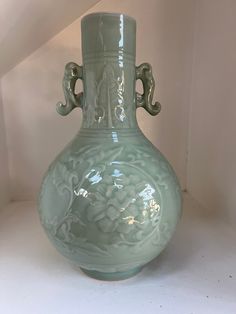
(110, 201)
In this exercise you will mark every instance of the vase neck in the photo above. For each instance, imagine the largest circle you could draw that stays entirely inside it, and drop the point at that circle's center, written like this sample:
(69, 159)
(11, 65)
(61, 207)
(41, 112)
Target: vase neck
(108, 49)
(109, 89)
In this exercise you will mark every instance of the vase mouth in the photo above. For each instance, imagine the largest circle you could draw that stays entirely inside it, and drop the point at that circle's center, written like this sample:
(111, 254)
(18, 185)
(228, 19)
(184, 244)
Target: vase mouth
(104, 32)
(114, 14)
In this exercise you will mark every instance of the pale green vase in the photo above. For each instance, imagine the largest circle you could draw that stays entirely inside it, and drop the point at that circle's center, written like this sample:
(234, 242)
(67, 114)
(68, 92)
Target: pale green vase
(110, 201)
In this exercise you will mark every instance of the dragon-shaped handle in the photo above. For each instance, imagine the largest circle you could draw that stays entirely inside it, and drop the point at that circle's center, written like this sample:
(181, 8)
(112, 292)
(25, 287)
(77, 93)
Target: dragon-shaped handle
(73, 72)
(144, 73)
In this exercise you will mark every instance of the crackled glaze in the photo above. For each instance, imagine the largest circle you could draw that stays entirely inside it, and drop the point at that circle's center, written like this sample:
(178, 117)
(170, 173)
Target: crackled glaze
(110, 201)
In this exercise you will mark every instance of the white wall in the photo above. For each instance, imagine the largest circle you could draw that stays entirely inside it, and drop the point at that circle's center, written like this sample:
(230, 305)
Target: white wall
(27, 24)
(212, 150)
(4, 175)
(36, 134)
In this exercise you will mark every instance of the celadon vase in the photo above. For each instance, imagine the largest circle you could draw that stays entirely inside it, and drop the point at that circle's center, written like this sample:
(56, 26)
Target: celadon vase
(110, 201)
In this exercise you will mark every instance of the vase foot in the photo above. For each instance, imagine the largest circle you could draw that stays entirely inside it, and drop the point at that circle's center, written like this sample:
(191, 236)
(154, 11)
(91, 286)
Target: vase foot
(120, 275)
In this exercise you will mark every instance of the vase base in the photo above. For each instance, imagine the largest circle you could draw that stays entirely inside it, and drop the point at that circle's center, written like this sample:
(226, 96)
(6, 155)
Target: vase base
(120, 275)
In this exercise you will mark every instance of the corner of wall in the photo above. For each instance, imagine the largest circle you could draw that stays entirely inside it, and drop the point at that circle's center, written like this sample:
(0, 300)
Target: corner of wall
(193, 61)
(4, 169)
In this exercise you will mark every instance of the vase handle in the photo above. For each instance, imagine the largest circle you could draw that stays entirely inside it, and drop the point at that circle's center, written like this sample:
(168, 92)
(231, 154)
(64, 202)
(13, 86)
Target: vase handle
(144, 73)
(72, 73)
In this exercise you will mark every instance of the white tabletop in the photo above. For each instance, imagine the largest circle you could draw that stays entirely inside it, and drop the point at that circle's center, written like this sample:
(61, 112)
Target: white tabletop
(196, 274)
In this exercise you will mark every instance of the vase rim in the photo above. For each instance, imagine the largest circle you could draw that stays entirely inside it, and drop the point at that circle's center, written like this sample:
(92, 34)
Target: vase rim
(128, 17)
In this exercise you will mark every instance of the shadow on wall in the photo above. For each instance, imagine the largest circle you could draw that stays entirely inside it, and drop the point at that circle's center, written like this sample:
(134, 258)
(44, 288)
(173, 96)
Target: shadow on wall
(39, 132)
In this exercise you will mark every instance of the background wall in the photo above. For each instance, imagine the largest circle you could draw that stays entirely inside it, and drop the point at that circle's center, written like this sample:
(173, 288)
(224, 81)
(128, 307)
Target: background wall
(4, 176)
(36, 134)
(27, 24)
(212, 144)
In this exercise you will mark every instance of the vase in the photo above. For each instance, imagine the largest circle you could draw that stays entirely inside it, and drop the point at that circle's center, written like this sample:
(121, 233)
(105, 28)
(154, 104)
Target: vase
(110, 201)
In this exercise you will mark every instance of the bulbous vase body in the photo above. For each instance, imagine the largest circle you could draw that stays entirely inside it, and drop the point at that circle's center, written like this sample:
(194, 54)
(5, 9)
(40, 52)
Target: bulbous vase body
(110, 201)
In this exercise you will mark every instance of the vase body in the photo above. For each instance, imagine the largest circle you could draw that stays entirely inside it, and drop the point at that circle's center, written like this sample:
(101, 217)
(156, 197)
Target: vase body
(110, 201)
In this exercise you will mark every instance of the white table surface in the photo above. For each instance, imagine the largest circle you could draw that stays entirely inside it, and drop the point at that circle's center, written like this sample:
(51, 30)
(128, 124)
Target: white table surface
(196, 274)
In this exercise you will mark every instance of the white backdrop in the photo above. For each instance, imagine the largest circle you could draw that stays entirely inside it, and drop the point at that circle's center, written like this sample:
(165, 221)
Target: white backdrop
(212, 150)
(36, 134)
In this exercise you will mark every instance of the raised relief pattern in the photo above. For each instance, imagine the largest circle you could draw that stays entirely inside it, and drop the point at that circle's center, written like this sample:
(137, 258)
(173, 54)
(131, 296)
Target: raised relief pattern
(107, 107)
(112, 200)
